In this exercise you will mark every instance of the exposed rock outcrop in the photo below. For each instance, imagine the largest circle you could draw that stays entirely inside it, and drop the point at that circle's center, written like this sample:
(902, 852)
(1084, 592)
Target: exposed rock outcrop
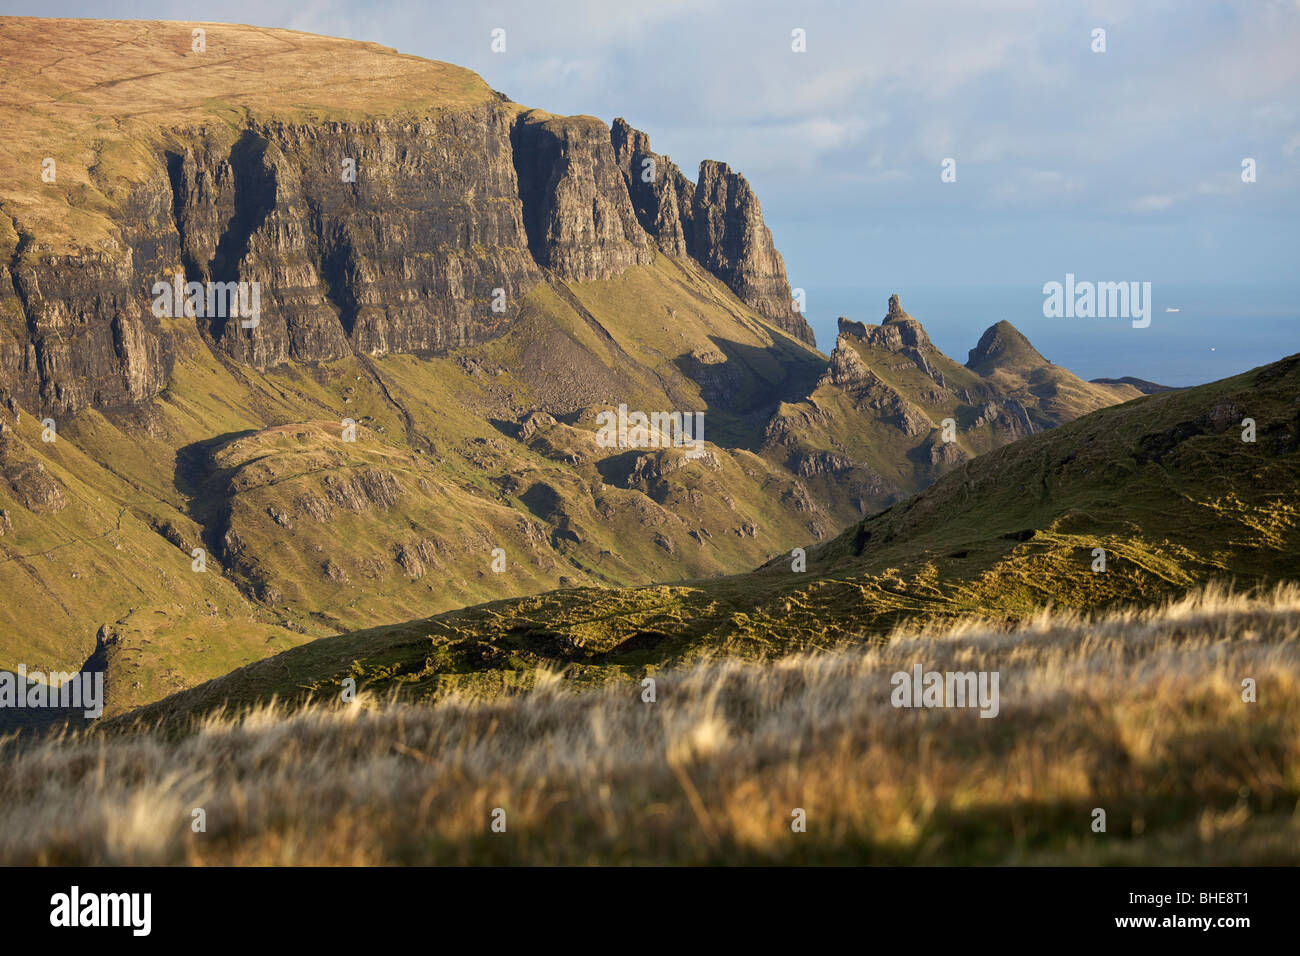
(370, 488)
(846, 369)
(662, 196)
(33, 486)
(73, 330)
(577, 212)
(898, 330)
(417, 557)
(1009, 418)
(822, 463)
(733, 243)
(717, 220)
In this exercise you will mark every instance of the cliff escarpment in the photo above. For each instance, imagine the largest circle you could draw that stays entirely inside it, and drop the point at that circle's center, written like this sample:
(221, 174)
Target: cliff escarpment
(397, 235)
(717, 221)
(415, 220)
(576, 207)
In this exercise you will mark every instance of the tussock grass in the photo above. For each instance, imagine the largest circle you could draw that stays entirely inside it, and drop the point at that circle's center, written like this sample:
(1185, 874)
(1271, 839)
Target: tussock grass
(1137, 712)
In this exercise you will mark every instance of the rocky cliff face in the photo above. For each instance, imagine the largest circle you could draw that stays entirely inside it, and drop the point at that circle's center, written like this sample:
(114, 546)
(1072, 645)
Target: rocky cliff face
(577, 211)
(72, 330)
(405, 257)
(733, 243)
(405, 230)
(717, 220)
(411, 254)
(662, 196)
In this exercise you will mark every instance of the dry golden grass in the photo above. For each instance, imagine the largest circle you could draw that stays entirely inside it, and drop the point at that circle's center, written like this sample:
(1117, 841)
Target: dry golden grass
(1139, 713)
(101, 97)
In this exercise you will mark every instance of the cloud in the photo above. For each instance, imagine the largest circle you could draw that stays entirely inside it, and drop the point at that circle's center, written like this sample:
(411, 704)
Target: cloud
(1154, 203)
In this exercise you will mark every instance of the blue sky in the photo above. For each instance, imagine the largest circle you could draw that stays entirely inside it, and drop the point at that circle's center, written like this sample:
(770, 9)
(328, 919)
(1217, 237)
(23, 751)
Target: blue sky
(1114, 166)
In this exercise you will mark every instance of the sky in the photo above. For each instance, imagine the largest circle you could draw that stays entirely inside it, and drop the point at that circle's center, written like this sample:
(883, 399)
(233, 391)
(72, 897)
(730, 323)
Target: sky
(1122, 165)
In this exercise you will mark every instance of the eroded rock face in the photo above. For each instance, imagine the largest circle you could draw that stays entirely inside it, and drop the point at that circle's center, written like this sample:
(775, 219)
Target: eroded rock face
(823, 463)
(846, 368)
(946, 455)
(448, 221)
(78, 334)
(717, 221)
(405, 256)
(662, 197)
(417, 557)
(898, 332)
(33, 486)
(1008, 417)
(577, 211)
(369, 488)
(732, 242)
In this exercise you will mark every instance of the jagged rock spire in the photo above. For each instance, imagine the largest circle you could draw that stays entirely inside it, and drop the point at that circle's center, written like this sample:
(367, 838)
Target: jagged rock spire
(896, 312)
(717, 221)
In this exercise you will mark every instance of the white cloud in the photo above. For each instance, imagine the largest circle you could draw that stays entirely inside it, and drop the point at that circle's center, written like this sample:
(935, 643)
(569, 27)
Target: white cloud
(1154, 202)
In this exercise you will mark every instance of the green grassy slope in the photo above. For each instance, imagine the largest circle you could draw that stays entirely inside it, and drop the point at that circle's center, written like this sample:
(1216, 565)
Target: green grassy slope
(1164, 484)
(456, 455)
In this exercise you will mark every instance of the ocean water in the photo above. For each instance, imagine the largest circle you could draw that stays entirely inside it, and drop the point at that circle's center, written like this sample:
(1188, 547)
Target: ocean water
(1217, 330)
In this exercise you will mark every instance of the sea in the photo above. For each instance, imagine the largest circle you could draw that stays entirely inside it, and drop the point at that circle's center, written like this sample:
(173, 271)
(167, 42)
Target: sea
(1198, 332)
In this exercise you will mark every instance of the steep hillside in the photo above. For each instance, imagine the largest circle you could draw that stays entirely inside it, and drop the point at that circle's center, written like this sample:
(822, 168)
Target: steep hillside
(304, 533)
(1165, 486)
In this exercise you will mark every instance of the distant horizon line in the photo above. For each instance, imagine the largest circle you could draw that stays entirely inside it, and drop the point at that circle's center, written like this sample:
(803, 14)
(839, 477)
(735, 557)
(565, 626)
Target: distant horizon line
(1012, 283)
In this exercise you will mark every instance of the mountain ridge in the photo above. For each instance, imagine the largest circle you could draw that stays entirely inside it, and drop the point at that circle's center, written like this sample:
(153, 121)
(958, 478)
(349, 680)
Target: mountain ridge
(267, 195)
(1141, 384)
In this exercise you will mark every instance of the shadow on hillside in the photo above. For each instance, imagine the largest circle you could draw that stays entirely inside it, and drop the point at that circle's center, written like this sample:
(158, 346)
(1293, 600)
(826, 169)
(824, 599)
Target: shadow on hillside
(748, 386)
(37, 722)
(206, 499)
